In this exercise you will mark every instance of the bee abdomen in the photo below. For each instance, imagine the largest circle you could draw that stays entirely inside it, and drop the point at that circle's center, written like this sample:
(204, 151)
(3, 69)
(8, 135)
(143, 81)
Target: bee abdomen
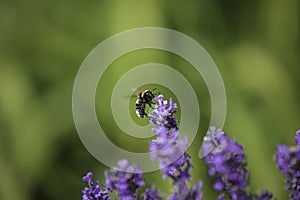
(140, 109)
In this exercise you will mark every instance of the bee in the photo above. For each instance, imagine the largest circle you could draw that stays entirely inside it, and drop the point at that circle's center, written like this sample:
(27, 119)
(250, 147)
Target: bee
(144, 98)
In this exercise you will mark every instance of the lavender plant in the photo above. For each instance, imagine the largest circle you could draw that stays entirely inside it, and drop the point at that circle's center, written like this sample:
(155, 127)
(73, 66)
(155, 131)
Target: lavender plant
(224, 157)
(128, 178)
(288, 161)
(227, 165)
(94, 191)
(169, 148)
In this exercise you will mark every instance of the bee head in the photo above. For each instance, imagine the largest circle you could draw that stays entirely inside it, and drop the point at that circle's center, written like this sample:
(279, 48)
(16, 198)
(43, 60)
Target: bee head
(148, 93)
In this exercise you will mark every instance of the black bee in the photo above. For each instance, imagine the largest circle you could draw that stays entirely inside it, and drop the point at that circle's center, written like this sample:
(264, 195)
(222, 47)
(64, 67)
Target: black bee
(144, 98)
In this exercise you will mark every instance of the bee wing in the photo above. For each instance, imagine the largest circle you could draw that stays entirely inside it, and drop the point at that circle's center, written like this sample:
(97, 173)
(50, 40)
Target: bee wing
(129, 96)
(135, 93)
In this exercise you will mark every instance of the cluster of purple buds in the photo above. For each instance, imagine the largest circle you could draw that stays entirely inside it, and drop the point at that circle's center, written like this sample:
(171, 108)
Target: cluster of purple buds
(127, 179)
(151, 193)
(264, 195)
(163, 115)
(93, 191)
(170, 149)
(227, 164)
(288, 161)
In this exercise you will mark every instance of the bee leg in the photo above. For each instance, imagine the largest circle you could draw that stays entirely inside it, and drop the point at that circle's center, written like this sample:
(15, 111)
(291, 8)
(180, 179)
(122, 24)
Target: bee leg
(150, 104)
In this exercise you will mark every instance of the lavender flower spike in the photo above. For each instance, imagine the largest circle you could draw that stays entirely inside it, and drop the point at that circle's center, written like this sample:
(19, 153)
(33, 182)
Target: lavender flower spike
(94, 192)
(288, 161)
(264, 195)
(170, 149)
(194, 193)
(151, 193)
(128, 178)
(227, 164)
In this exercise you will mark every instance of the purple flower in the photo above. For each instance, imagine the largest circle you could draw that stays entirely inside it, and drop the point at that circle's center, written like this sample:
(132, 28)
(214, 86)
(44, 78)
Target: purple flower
(88, 177)
(94, 192)
(227, 164)
(194, 193)
(152, 193)
(283, 158)
(297, 137)
(264, 195)
(162, 115)
(174, 161)
(128, 178)
(170, 149)
(288, 161)
(210, 141)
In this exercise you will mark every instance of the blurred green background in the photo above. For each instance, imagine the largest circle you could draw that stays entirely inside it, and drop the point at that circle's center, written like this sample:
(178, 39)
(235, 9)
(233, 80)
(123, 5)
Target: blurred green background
(255, 44)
